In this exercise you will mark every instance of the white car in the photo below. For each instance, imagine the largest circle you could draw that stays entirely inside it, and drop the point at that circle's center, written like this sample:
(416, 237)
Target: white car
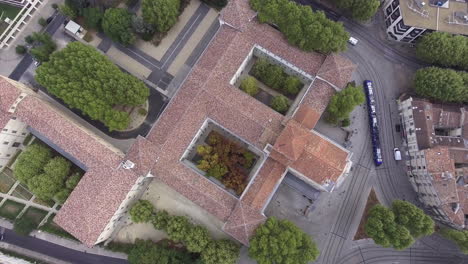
(36, 63)
(397, 154)
(353, 41)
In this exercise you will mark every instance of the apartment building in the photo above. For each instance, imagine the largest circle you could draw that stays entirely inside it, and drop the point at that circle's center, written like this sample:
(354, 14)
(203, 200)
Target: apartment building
(436, 137)
(408, 20)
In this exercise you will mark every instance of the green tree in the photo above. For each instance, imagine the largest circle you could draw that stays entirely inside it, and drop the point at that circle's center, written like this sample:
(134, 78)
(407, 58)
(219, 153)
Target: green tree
(292, 85)
(44, 46)
(414, 219)
(459, 237)
(280, 242)
(161, 219)
(93, 17)
(147, 252)
(117, 24)
(280, 104)
(67, 11)
(100, 86)
(29, 39)
(20, 49)
(444, 49)
(342, 103)
(383, 229)
(177, 228)
(31, 162)
(249, 85)
(62, 195)
(308, 30)
(361, 10)
(196, 239)
(145, 30)
(24, 226)
(441, 84)
(220, 252)
(73, 180)
(142, 211)
(161, 13)
(52, 180)
(42, 22)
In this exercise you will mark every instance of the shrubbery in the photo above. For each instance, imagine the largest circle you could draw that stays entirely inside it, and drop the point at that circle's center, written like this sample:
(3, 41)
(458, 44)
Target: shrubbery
(148, 252)
(459, 237)
(195, 238)
(93, 85)
(20, 49)
(342, 104)
(273, 76)
(398, 226)
(42, 22)
(93, 17)
(280, 104)
(442, 84)
(281, 242)
(249, 85)
(24, 226)
(308, 30)
(162, 14)
(361, 10)
(142, 211)
(117, 24)
(44, 46)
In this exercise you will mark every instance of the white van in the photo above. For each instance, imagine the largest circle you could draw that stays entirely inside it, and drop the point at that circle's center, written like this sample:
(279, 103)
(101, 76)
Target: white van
(353, 41)
(397, 154)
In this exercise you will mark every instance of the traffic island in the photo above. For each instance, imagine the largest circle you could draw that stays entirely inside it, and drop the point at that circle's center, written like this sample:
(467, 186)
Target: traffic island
(371, 202)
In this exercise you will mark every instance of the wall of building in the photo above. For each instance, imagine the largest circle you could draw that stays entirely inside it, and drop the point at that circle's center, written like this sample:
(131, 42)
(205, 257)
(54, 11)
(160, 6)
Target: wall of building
(11, 139)
(132, 197)
(396, 28)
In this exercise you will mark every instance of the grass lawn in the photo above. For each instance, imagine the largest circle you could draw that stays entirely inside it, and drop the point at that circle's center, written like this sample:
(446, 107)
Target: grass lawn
(53, 228)
(8, 11)
(371, 201)
(6, 182)
(22, 193)
(11, 209)
(35, 214)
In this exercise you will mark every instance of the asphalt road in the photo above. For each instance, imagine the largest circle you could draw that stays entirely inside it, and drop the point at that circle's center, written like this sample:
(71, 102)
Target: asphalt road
(56, 251)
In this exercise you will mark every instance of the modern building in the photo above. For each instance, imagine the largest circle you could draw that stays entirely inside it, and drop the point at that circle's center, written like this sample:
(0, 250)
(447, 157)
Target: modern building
(408, 20)
(436, 138)
(208, 100)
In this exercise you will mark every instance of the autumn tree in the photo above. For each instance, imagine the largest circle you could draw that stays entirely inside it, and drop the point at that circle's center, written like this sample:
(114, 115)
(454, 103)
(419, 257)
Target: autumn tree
(31, 162)
(117, 24)
(412, 218)
(281, 242)
(383, 229)
(142, 211)
(442, 84)
(220, 252)
(87, 80)
(160, 13)
(342, 103)
(308, 30)
(361, 10)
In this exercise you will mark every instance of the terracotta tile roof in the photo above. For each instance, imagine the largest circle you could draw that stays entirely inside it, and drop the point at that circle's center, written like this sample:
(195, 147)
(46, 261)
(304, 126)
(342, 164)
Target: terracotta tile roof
(337, 70)
(463, 197)
(457, 218)
(311, 154)
(318, 96)
(9, 94)
(459, 155)
(438, 160)
(142, 153)
(307, 116)
(243, 222)
(447, 190)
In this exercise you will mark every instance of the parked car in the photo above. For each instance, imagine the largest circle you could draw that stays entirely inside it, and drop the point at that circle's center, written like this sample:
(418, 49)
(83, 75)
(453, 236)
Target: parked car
(353, 41)
(37, 63)
(49, 19)
(397, 154)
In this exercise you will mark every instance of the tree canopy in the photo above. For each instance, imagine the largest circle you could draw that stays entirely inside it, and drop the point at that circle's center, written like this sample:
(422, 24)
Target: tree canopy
(361, 10)
(162, 14)
(24, 226)
(281, 242)
(459, 237)
(117, 24)
(92, 17)
(342, 103)
(444, 49)
(148, 252)
(442, 84)
(44, 46)
(31, 162)
(52, 180)
(414, 219)
(220, 252)
(308, 30)
(142, 211)
(87, 80)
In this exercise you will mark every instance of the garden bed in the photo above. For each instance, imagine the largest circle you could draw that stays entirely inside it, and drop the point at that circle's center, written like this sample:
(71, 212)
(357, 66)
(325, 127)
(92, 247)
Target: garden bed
(371, 201)
(271, 84)
(6, 182)
(225, 161)
(11, 209)
(22, 193)
(9, 11)
(35, 214)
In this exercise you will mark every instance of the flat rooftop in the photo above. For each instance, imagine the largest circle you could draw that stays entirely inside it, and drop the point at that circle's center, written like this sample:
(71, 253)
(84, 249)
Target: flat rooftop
(451, 16)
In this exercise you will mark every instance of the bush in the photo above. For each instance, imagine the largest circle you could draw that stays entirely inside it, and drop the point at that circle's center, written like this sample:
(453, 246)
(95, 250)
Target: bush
(292, 85)
(162, 14)
(280, 104)
(31, 162)
(147, 252)
(54, 6)
(160, 220)
(142, 211)
(345, 122)
(24, 226)
(120, 247)
(73, 180)
(274, 76)
(42, 22)
(280, 241)
(61, 196)
(249, 85)
(103, 85)
(295, 22)
(20, 49)
(117, 24)
(92, 17)
(142, 111)
(220, 252)
(145, 30)
(459, 237)
(29, 39)
(177, 228)
(67, 11)
(196, 239)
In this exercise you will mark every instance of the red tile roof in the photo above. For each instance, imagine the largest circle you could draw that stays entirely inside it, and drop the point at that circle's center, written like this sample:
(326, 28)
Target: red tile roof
(337, 70)
(307, 116)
